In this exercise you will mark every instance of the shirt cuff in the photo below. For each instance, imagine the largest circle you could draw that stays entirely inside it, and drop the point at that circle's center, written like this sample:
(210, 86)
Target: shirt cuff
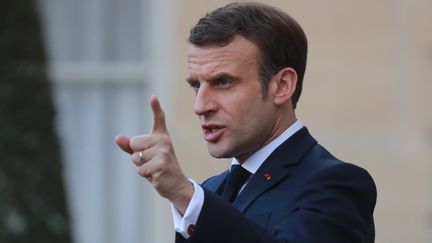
(185, 224)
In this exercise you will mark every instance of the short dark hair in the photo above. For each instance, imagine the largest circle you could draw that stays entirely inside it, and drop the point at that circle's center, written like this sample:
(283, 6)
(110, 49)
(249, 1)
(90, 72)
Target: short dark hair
(280, 39)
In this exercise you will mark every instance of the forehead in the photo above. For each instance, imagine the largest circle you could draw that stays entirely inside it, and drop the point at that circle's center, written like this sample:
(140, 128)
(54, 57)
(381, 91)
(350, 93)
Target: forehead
(237, 56)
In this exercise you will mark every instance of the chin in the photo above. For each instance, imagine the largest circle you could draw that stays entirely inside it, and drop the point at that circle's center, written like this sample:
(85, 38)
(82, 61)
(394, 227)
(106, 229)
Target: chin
(220, 156)
(219, 153)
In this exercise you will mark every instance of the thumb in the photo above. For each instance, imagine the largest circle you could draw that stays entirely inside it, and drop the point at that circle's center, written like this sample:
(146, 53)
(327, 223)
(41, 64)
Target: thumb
(123, 143)
(158, 116)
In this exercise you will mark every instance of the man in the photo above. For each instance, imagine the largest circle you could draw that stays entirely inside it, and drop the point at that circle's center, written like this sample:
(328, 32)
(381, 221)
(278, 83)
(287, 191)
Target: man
(246, 66)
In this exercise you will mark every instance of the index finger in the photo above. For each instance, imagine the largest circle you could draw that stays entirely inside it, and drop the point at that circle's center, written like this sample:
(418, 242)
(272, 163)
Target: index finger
(159, 125)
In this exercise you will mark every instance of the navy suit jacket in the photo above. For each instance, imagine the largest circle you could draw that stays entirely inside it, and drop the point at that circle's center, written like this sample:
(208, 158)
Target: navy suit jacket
(301, 193)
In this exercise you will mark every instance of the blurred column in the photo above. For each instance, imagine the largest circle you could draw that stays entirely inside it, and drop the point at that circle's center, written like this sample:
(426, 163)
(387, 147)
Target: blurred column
(104, 71)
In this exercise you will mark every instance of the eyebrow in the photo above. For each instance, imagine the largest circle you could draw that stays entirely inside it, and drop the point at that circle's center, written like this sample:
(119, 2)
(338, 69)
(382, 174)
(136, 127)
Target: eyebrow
(223, 75)
(190, 80)
(216, 77)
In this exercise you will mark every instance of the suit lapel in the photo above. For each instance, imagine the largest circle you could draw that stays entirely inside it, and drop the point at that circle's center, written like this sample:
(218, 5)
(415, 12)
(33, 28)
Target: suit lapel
(279, 165)
(215, 184)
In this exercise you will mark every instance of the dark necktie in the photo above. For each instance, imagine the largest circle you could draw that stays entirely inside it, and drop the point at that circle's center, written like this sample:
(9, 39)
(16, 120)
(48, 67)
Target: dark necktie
(236, 178)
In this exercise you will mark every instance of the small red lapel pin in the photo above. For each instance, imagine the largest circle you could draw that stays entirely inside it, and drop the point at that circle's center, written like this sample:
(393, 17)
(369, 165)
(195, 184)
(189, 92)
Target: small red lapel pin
(267, 176)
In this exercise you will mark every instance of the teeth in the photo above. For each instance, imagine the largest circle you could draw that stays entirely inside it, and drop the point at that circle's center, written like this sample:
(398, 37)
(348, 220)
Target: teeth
(214, 129)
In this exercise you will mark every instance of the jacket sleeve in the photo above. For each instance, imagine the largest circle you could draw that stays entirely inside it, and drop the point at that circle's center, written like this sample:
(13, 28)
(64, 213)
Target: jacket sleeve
(334, 205)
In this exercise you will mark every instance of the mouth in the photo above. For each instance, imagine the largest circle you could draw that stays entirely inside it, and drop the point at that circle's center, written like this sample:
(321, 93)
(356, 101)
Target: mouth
(212, 133)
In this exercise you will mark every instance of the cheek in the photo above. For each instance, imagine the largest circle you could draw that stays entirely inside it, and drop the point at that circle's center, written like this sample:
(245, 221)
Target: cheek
(251, 114)
(244, 105)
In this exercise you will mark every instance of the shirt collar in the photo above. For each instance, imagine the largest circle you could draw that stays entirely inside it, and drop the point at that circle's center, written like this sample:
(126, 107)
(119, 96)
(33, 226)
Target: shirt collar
(256, 159)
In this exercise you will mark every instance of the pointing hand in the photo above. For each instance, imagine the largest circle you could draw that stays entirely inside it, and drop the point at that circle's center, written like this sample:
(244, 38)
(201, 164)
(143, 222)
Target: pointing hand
(154, 156)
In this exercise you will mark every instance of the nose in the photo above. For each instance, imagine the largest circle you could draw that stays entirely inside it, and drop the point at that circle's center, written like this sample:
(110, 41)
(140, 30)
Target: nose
(205, 101)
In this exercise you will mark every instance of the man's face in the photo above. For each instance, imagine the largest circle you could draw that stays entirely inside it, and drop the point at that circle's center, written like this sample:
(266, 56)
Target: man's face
(235, 119)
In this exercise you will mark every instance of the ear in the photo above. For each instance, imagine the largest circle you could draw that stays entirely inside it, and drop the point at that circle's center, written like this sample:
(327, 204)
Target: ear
(284, 85)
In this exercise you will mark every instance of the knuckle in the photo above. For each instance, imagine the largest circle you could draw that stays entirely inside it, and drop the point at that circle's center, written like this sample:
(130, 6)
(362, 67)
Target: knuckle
(165, 138)
(142, 171)
(134, 160)
(133, 142)
(138, 142)
(164, 151)
(156, 176)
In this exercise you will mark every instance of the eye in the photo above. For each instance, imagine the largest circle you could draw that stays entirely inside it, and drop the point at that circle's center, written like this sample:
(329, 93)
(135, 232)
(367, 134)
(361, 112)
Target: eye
(223, 82)
(194, 84)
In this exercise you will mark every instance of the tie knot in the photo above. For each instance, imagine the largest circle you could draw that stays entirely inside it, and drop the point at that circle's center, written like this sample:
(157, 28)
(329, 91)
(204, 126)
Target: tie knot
(238, 176)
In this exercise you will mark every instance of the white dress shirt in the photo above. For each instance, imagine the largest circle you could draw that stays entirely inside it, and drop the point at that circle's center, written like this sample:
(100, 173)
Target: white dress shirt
(182, 223)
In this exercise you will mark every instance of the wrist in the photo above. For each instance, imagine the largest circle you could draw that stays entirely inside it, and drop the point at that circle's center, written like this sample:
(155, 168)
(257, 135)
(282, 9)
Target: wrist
(183, 198)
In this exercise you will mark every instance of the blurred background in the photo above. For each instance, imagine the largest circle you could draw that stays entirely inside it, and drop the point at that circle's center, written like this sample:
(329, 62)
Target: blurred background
(76, 73)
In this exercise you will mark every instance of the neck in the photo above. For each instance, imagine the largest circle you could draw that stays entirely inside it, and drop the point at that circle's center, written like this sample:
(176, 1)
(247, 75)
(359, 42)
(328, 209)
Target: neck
(282, 123)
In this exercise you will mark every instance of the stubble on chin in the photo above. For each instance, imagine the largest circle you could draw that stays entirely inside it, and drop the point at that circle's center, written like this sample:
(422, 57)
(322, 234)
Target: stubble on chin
(218, 153)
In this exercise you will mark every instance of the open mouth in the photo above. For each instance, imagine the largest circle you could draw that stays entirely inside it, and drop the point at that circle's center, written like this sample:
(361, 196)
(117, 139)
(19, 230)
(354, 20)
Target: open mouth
(212, 133)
